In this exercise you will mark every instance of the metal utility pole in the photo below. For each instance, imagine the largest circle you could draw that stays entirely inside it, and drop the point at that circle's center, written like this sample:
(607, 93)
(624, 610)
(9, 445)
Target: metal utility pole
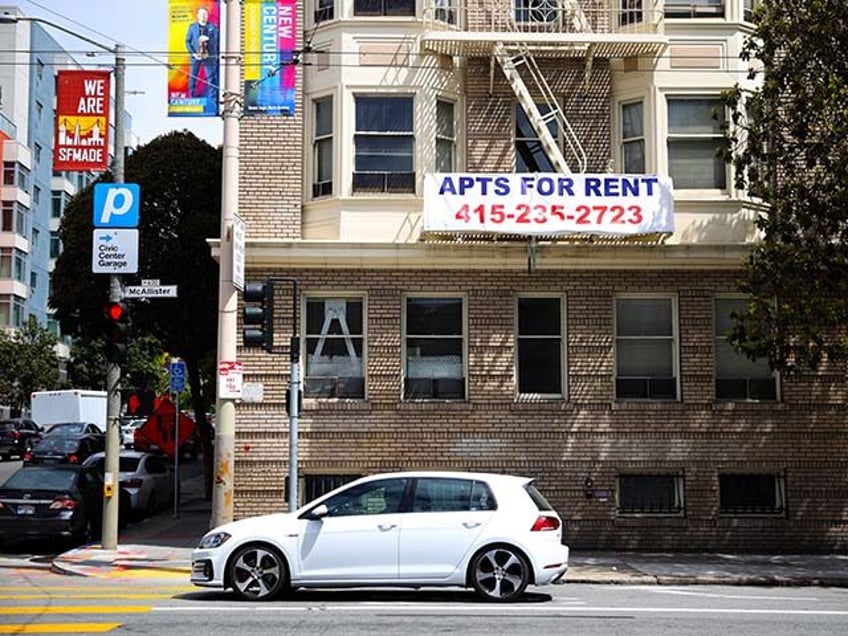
(111, 496)
(225, 409)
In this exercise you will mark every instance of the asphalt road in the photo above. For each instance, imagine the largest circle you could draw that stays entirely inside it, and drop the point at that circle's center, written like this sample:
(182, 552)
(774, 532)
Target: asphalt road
(32, 599)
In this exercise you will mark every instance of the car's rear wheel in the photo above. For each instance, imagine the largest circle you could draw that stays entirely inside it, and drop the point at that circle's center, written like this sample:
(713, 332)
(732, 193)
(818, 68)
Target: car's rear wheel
(499, 573)
(258, 573)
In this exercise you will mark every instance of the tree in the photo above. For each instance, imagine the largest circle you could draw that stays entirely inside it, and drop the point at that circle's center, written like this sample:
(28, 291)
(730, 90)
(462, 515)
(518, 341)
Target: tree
(28, 362)
(180, 180)
(789, 144)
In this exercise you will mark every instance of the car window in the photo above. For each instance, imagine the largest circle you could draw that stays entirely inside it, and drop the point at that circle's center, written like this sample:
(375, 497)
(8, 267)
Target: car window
(42, 479)
(537, 497)
(372, 498)
(7, 426)
(128, 464)
(442, 495)
(58, 444)
(155, 465)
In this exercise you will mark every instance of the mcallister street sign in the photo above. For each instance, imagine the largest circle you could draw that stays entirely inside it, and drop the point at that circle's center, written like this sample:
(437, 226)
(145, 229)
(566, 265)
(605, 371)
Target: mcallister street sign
(150, 291)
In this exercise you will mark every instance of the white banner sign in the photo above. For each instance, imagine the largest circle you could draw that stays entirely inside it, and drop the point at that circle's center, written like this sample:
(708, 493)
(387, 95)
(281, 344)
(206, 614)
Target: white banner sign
(548, 204)
(230, 379)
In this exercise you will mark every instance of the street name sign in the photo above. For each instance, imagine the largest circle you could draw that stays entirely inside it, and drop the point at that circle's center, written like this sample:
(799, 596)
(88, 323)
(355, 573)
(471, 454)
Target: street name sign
(114, 251)
(151, 291)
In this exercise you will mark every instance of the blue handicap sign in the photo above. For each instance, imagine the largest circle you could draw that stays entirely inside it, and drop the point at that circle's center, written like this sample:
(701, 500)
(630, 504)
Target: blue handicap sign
(178, 376)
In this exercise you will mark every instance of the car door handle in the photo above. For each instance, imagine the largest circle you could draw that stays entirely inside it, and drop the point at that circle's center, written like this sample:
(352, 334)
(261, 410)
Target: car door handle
(385, 527)
(471, 524)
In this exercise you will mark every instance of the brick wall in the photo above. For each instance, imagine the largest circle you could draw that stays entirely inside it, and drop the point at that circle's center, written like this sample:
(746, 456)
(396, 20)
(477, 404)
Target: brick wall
(563, 442)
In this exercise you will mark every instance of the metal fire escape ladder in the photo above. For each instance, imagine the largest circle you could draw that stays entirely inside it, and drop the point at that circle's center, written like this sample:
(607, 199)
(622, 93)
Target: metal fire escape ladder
(511, 60)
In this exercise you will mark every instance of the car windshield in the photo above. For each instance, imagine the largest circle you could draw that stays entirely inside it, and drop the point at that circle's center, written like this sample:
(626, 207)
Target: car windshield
(56, 479)
(71, 428)
(58, 444)
(125, 464)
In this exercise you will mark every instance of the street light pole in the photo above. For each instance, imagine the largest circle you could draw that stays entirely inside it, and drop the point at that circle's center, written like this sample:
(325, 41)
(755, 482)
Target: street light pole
(111, 497)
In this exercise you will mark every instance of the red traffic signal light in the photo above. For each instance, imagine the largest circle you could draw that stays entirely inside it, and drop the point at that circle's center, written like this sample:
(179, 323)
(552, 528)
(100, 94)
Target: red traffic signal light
(115, 311)
(117, 328)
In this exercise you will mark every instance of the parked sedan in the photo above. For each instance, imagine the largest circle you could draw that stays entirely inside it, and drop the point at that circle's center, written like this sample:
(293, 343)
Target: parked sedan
(73, 429)
(63, 502)
(64, 450)
(147, 478)
(494, 533)
(17, 436)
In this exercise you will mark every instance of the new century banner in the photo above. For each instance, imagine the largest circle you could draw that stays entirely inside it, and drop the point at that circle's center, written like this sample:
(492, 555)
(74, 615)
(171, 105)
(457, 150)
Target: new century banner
(82, 121)
(194, 39)
(270, 38)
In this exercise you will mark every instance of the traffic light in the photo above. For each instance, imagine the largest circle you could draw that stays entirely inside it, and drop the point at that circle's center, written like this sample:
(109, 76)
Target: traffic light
(117, 330)
(258, 317)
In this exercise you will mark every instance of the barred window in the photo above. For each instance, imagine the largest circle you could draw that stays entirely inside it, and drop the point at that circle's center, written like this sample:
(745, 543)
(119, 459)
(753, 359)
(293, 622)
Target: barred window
(752, 494)
(650, 494)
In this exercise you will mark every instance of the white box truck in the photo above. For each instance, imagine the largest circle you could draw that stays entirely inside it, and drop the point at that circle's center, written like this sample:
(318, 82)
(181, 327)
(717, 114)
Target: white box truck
(71, 405)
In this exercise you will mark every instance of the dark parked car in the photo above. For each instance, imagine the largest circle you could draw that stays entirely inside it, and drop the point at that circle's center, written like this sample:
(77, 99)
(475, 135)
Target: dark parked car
(64, 450)
(73, 429)
(17, 436)
(57, 502)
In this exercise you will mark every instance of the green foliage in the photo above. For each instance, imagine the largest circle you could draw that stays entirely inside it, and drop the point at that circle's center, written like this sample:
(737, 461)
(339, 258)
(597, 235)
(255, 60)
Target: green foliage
(789, 145)
(180, 180)
(87, 364)
(28, 362)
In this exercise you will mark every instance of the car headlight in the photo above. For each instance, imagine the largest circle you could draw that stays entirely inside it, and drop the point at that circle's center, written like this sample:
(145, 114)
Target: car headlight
(213, 540)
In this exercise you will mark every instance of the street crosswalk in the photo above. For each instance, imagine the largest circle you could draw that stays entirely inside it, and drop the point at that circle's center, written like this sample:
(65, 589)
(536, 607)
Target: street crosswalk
(99, 608)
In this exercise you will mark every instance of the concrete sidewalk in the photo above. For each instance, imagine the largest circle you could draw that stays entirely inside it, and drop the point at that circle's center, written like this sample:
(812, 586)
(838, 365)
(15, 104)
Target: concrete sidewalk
(162, 546)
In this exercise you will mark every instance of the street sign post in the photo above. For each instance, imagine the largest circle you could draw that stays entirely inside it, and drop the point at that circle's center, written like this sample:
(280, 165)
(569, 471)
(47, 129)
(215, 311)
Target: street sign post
(114, 251)
(178, 376)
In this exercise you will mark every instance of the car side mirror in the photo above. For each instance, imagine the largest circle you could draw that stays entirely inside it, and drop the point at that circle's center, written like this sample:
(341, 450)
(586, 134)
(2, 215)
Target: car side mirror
(317, 512)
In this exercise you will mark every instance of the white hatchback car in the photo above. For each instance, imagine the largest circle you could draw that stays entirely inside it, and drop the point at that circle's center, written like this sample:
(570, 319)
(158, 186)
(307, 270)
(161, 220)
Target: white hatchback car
(493, 533)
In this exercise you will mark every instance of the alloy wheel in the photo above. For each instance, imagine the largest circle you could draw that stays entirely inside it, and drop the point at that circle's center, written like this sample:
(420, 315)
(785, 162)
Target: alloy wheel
(500, 574)
(258, 573)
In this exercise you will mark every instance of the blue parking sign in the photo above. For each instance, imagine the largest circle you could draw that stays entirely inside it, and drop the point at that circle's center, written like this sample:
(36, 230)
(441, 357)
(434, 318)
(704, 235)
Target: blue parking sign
(178, 376)
(116, 204)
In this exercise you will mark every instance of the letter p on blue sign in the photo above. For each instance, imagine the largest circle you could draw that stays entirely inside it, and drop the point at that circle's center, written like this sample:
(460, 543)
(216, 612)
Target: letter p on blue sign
(116, 204)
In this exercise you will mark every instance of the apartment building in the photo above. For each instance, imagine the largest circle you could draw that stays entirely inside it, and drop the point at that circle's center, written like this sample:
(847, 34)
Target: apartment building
(595, 362)
(33, 195)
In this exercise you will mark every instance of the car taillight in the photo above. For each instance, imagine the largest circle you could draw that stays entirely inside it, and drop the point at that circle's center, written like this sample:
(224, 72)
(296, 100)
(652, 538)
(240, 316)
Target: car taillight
(27, 457)
(16, 435)
(73, 459)
(545, 524)
(64, 503)
(132, 483)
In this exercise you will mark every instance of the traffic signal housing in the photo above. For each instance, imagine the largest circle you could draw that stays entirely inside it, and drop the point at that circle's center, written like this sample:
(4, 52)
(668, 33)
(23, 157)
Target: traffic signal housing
(117, 331)
(258, 315)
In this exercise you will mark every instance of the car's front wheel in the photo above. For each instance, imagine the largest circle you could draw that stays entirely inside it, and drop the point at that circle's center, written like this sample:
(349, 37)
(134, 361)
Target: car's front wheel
(499, 573)
(258, 573)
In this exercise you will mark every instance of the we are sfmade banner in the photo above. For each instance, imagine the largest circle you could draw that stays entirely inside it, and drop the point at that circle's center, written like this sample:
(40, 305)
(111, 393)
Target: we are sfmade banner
(270, 38)
(548, 204)
(194, 47)
(81, 140)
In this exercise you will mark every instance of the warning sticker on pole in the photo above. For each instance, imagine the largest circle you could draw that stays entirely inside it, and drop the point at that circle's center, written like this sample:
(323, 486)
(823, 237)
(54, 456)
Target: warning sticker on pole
(230, 380)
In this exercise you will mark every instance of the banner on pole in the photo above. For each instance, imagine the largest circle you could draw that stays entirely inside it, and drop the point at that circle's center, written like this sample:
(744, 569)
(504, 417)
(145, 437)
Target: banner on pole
(82, 121)
(194, 40)
(270, 39)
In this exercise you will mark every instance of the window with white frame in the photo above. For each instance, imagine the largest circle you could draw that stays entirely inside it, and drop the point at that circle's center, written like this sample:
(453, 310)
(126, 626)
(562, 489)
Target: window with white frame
(633, 138)
(748, 8)
(13, 218)
(384, 7)
(650, 494)
(445, 137)
(694, 8)
(536, 11)
(540, 346)
(434, 346)
(737, 377)
(694, 138)
(631, 12)
(530, 156)
(36, 152)
(645, 348)
(752, 494)
(55, 245)
(384, 145)
(446, 11)
(58, 204)
(322, 148)
(334, 347)
(12, 311)
(324, 10)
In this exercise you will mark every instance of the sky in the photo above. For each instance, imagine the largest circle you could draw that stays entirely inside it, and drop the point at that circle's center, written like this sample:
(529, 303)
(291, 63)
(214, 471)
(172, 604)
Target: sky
(142, 27)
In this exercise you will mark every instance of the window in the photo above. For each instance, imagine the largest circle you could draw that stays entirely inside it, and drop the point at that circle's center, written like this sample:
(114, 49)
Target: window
(530, 156)
(737, 376)
(39, 68)
(13, 218)
(384, 145)
(334, 343)
(632, 138)
(650, 494)
(379, 497)
(434, 345)
(446, 11)
(748, 8)
(536, 11)
(37, 153)
(58, 204)
(36, 195)
(445, 137)
(318, 485)
(631, 12)
(384, 7)
(36, 238)
(324, 10)
(33, 280)
(540, 346)
(9, 174)
(452, 495)
(752, 494)
(645, 349)
(55, 245)
(322, 148)
(694, 138)
(11, 310)
(694, 8)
